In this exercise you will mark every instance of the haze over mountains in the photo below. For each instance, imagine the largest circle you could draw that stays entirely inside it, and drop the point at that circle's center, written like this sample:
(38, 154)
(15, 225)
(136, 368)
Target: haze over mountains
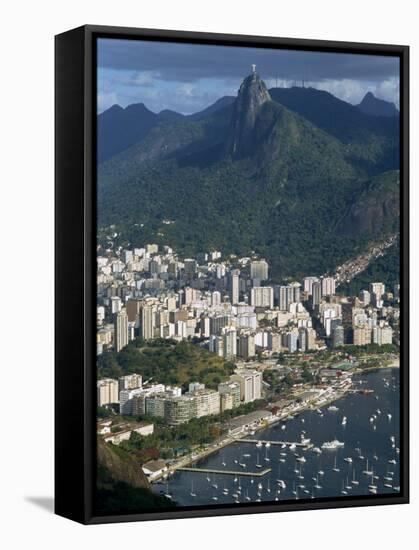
(293, 174)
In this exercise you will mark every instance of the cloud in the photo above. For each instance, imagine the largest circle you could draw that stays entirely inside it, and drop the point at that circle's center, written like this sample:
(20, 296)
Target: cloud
(187, 62)
(187, 78)
(143, 78)
(106, 100)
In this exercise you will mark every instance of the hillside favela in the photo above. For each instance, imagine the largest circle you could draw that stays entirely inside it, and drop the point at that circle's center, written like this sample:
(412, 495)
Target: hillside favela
(248, 301)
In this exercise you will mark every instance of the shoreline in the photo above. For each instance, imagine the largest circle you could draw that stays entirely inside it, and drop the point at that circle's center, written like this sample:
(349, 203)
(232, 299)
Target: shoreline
(229, 440)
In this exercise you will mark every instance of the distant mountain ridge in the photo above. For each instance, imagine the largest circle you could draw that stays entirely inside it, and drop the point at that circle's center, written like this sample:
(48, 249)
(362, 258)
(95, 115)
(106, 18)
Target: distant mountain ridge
(118, 128)
(374, 106)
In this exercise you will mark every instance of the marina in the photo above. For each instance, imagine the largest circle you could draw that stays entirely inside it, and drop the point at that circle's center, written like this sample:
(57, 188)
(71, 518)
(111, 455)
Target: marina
(315, 456)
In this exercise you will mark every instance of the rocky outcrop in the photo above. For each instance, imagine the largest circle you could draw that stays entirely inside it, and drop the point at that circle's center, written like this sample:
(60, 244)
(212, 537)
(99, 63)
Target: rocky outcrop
(253, 93)
(120, 466)
(376, 211)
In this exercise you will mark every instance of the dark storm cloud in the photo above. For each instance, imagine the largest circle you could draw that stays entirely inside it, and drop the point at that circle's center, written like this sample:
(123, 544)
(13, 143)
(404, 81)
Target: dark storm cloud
(189, 63)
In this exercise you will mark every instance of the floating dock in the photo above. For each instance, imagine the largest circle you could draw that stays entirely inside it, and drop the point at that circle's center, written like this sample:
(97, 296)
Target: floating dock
(241, 473)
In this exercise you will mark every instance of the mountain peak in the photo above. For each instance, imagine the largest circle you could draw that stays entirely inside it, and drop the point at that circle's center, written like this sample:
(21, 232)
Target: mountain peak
(252, 94)
(372, 105)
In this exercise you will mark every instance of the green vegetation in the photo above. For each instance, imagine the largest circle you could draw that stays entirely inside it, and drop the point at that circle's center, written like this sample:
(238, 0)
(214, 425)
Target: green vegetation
(167, 442)
(283, 202)
(118, 497)
(122, 486)
(166, 362)
(370, 348)
(102, 412)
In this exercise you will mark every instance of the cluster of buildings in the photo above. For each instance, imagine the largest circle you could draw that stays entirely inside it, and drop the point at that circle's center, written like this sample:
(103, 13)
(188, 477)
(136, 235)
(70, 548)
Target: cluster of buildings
(229, 305)
(168, 402)
(122, 431)
(359, 320)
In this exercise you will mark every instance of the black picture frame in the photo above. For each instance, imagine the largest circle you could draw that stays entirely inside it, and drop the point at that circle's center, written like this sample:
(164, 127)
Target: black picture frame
(75, 270)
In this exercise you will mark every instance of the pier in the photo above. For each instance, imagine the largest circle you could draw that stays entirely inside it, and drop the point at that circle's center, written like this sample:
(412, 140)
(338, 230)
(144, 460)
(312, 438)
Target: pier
(241, 473)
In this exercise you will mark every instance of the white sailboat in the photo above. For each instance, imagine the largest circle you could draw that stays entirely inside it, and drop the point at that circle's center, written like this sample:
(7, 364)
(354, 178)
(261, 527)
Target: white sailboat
(300, 473)
(192, 493)
(372, 487)
(335, 467)
(354, 481)
(367, 471)
(167, 494)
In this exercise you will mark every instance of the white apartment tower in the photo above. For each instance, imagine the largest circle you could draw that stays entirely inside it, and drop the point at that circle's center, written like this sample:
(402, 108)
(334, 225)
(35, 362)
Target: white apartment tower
(107, 392)
(121, 330)
(262, 296)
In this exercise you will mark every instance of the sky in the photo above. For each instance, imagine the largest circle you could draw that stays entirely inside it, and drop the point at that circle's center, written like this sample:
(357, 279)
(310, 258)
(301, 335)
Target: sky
(188, 77)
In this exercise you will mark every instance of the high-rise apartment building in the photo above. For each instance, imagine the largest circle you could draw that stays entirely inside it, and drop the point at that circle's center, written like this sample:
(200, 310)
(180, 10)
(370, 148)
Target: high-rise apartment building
(147, 321)
(234, 286)
(365, 297)
(246, 346)
(229, 343)
(302, 339)
(126, 400)
(328, 286)
(316, 293)
(116, 304)
(308, 284)
(207, 402)
(191, 266)
(262, 296)
(229, 395)
(133, 308)
(130, 382)
(382, 335)
(289, 294)
(250, 384)
(259, 270)
(107, 391)
(179, 410)
(362, 335)
(121, 330)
